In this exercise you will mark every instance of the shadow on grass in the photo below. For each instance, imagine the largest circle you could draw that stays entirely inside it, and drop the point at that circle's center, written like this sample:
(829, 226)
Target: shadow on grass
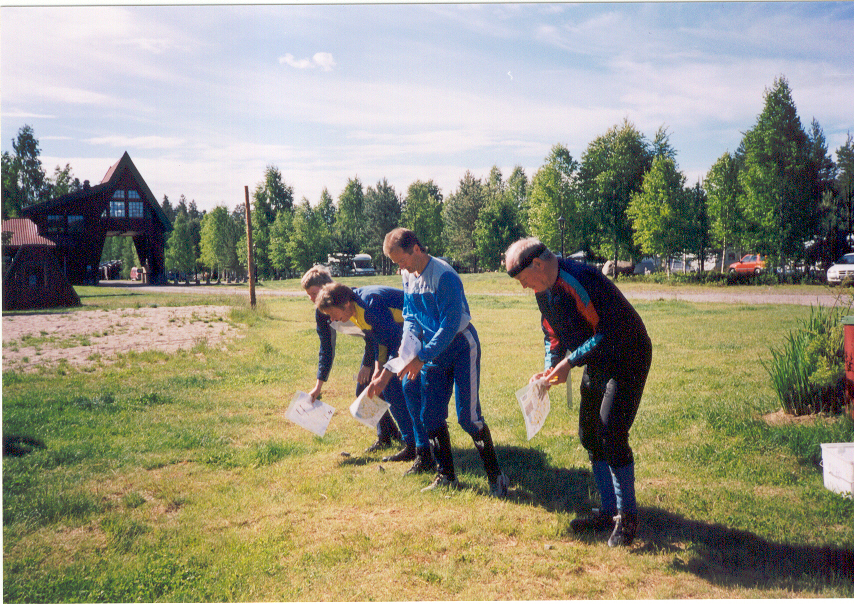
(732, 557)
(533, 480)
(716, 553)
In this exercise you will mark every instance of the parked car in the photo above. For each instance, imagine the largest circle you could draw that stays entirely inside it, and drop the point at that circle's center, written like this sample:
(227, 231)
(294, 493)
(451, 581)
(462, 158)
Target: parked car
(750, 264)
(841, 270)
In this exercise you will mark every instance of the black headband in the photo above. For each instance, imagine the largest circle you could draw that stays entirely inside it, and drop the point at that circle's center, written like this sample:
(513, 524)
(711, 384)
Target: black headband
(526, 259)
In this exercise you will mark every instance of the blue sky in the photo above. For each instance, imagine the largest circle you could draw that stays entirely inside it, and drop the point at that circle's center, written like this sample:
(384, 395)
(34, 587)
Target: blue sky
(203, 98)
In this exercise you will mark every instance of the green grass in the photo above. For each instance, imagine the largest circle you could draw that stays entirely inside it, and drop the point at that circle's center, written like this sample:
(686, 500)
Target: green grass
(184, 481)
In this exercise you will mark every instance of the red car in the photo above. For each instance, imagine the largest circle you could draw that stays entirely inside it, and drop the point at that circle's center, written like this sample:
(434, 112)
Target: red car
(750, 264)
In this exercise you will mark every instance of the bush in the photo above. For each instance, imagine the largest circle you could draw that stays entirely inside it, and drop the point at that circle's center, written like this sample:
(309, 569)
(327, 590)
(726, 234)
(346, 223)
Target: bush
(808, 372)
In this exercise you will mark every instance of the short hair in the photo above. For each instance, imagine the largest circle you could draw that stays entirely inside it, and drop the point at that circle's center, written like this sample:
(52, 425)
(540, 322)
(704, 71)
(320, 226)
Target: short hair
(316, 276)
(402, 238)
(334, 294)
(524, 251)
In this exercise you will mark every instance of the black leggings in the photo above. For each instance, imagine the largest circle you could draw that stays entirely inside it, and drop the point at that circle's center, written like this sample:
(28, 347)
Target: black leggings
(610, 395)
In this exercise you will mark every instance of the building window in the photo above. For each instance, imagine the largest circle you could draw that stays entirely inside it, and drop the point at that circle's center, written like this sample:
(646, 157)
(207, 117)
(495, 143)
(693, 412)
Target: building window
(55, 224)
(135, 209)
(117, 209)
(75, 225)
(133, 195)
(119, 194)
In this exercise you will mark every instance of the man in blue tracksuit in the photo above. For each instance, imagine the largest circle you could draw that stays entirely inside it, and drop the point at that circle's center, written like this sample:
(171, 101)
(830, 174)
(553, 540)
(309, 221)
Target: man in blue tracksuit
(436, 312)
(327, 329)
(378, 311)
(587, 321)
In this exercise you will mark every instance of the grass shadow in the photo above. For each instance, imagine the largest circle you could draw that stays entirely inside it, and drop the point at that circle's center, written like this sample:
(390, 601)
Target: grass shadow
(732, 557)
(533, 480)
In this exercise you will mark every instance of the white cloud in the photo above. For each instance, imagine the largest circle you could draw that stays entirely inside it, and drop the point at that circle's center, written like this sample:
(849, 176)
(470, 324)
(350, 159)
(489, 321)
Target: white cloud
(323, 60)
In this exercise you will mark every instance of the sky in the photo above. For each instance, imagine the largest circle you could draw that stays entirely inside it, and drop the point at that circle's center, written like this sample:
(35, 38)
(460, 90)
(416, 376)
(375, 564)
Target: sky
(205, 98)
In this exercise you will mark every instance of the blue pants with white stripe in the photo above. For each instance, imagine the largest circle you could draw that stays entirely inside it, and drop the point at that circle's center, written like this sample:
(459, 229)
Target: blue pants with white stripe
(456, 371)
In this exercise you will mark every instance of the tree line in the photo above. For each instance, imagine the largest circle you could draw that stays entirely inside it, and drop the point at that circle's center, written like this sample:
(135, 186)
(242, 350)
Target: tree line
(779, 194)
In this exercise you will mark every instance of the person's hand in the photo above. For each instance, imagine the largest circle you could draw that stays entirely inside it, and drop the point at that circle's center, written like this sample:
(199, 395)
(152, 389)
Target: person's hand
(558, 373)
(314, 393)
(537, 376)
(412, 369)
(378, 383)
(364, 375)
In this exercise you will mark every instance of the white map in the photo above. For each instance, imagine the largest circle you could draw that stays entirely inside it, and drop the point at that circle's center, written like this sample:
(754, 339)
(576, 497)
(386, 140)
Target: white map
(535, 404)
(368, 410)
(410, 346)
(313, 416)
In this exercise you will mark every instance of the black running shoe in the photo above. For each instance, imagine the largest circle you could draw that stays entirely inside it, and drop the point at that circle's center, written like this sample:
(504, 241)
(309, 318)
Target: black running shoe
(423, 463)
(595, 522)
(382, 443)
(407, 453)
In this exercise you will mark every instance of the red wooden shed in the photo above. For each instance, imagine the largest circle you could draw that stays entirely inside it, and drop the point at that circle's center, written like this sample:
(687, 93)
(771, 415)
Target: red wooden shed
(32, 277)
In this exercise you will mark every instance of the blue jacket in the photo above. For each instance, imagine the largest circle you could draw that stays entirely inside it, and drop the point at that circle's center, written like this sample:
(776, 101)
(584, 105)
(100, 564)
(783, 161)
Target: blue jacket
(435, 308)
(326, 331)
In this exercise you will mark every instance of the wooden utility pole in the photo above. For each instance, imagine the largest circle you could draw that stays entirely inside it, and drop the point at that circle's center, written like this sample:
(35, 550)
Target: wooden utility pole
(250, 262)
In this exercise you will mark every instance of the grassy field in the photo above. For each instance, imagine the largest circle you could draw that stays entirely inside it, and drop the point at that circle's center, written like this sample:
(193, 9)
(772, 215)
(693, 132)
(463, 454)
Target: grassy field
(176, 477)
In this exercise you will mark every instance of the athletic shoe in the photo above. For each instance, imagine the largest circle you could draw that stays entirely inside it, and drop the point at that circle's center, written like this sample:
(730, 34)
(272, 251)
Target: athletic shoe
(500, 485)
(441, 481)
(626, 525)
(382, 443)
(595, 522)
(423, 463)
(407, 453)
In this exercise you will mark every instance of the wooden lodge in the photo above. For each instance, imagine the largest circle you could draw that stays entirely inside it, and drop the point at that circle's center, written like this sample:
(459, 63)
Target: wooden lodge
(122, 205)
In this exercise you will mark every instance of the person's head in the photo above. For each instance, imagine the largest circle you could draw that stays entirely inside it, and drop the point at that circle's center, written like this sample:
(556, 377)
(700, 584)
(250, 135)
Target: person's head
(336, 300)
(403, 248)
(314, 279)
(531, 263)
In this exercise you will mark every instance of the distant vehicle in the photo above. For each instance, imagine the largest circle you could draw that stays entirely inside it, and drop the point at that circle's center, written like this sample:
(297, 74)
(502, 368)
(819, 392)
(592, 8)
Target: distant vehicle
(841, 270)
(136, 273)
(363, 265)
(645, 266)
(750, 264)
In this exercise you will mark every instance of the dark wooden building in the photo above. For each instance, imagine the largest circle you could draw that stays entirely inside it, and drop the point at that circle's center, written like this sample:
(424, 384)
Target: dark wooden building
(32, 277)
(121, 205)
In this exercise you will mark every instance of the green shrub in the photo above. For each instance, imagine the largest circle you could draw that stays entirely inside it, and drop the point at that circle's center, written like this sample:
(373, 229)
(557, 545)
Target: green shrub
(808, 372)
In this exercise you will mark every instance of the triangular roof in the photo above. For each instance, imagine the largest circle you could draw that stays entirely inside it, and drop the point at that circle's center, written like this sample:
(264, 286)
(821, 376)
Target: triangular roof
(109, 183)
(24, 232)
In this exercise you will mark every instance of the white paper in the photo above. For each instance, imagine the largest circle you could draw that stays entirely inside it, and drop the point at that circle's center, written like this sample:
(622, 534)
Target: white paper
(535, 404)
(368, 410)
(314, 415)
(410, 346)
(347, 327)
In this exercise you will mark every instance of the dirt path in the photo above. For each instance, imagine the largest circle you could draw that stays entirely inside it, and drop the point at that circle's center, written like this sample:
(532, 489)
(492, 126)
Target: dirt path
(84, 338)
(88, 337)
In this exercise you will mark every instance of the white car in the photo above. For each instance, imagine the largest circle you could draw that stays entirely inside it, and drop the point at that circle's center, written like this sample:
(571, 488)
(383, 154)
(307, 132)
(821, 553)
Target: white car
(841, 270)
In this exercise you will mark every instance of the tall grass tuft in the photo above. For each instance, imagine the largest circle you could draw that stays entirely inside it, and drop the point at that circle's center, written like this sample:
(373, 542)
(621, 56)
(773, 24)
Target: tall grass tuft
(808, 371)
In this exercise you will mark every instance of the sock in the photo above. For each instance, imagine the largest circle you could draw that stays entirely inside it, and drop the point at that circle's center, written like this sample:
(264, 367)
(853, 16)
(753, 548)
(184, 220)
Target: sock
(441, 440)
(605, 486)
(624, 488)
(484, 446)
